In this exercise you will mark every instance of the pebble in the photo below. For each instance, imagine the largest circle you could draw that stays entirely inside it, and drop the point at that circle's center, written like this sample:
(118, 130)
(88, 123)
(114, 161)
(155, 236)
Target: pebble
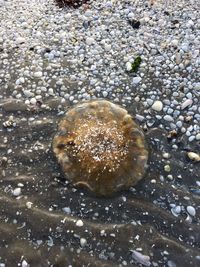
(167, 168)
(198, 137)
(168, 118)
(136, 80)
(191, 210)
(79, 223)
(24, 264)
(29, 204)
(108, 47)
(186, 103)
(83, 242)
(105, 93)
(20, 40)
(128, 66)
(90, 40)
(193, 156)
(157, 105)
(17, 191)
(28, 93)
(37, 74)
(33, 101)
(176, 210)
(166, 155)
(67, 210)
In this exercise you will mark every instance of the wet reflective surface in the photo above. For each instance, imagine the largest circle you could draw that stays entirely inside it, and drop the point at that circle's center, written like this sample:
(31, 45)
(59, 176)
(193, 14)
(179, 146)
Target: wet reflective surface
(40, 224)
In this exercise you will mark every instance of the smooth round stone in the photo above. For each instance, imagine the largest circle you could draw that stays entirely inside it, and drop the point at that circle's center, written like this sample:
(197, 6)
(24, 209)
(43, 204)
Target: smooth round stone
(193, 156)
(20, 40)
(108, 47)
(198, 136)
(168, 118)
(105, 93)
(191, 210)
(17, 191)
(100, 147)
(37, 74)
(79, 223)
(33, 101)
(89, 40)
(157, 105)
(83, 242)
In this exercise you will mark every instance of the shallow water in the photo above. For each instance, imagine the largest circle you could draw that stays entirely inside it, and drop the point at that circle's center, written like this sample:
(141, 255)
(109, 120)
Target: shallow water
(44, 235)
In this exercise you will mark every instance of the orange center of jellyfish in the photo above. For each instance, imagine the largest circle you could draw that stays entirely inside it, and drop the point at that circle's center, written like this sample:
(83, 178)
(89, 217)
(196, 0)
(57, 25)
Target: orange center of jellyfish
(99, 146)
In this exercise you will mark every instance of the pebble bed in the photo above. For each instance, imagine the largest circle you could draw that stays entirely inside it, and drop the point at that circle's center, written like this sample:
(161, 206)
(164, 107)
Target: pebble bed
(92, 47)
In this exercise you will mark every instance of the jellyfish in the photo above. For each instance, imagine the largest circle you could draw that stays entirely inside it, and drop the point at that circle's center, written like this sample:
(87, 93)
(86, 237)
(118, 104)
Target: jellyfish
(99, 146)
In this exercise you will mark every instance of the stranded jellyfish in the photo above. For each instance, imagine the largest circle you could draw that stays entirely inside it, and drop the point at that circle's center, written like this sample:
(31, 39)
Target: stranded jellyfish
(99, 146)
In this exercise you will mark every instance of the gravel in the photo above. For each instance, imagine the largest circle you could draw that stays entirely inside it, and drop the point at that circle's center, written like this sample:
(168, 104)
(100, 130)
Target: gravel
(86, 53)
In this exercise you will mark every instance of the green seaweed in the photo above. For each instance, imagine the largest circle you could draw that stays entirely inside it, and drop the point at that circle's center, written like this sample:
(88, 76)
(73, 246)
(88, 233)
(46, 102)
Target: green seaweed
(136, 64)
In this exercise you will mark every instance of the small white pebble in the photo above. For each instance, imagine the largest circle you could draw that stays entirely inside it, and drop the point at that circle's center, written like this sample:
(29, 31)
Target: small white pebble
(67, 210)
(16, 192)
(191, 210)
(198, 136)
(37, 74)
(108, 47)
(136, 80)
(157, 105)
(20, 40)
(105, 94)
(33, 101)
(24, 263)
(29, 205)
(186, 103)
(79, 223)
(166, 155)
(128, 66)
(168, 118)
(193, 156)
(83, 242)
(89, 40)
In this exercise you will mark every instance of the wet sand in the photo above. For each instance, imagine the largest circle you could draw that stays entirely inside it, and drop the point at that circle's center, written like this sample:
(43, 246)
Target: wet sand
(44, 235)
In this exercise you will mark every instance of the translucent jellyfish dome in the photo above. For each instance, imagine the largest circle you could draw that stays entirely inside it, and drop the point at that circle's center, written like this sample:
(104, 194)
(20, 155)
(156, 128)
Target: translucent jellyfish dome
(99, 146)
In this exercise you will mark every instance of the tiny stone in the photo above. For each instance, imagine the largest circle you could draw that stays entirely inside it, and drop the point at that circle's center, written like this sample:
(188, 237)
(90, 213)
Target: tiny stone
(193, 156)
(168, 118)
(79, 223)
(198, 136)
(20, 40)
(29, 204)
(105, 94)
(67, 210)
(107, 47)
(166, 155)
(37, 74)
(157, 106)
(83, 242)
(128, 66)
(167, 168)
(136, 80)
(16, 192)
(89, 40)
(191, 210)
(33, 101)
(186, 103)
(24, 264)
